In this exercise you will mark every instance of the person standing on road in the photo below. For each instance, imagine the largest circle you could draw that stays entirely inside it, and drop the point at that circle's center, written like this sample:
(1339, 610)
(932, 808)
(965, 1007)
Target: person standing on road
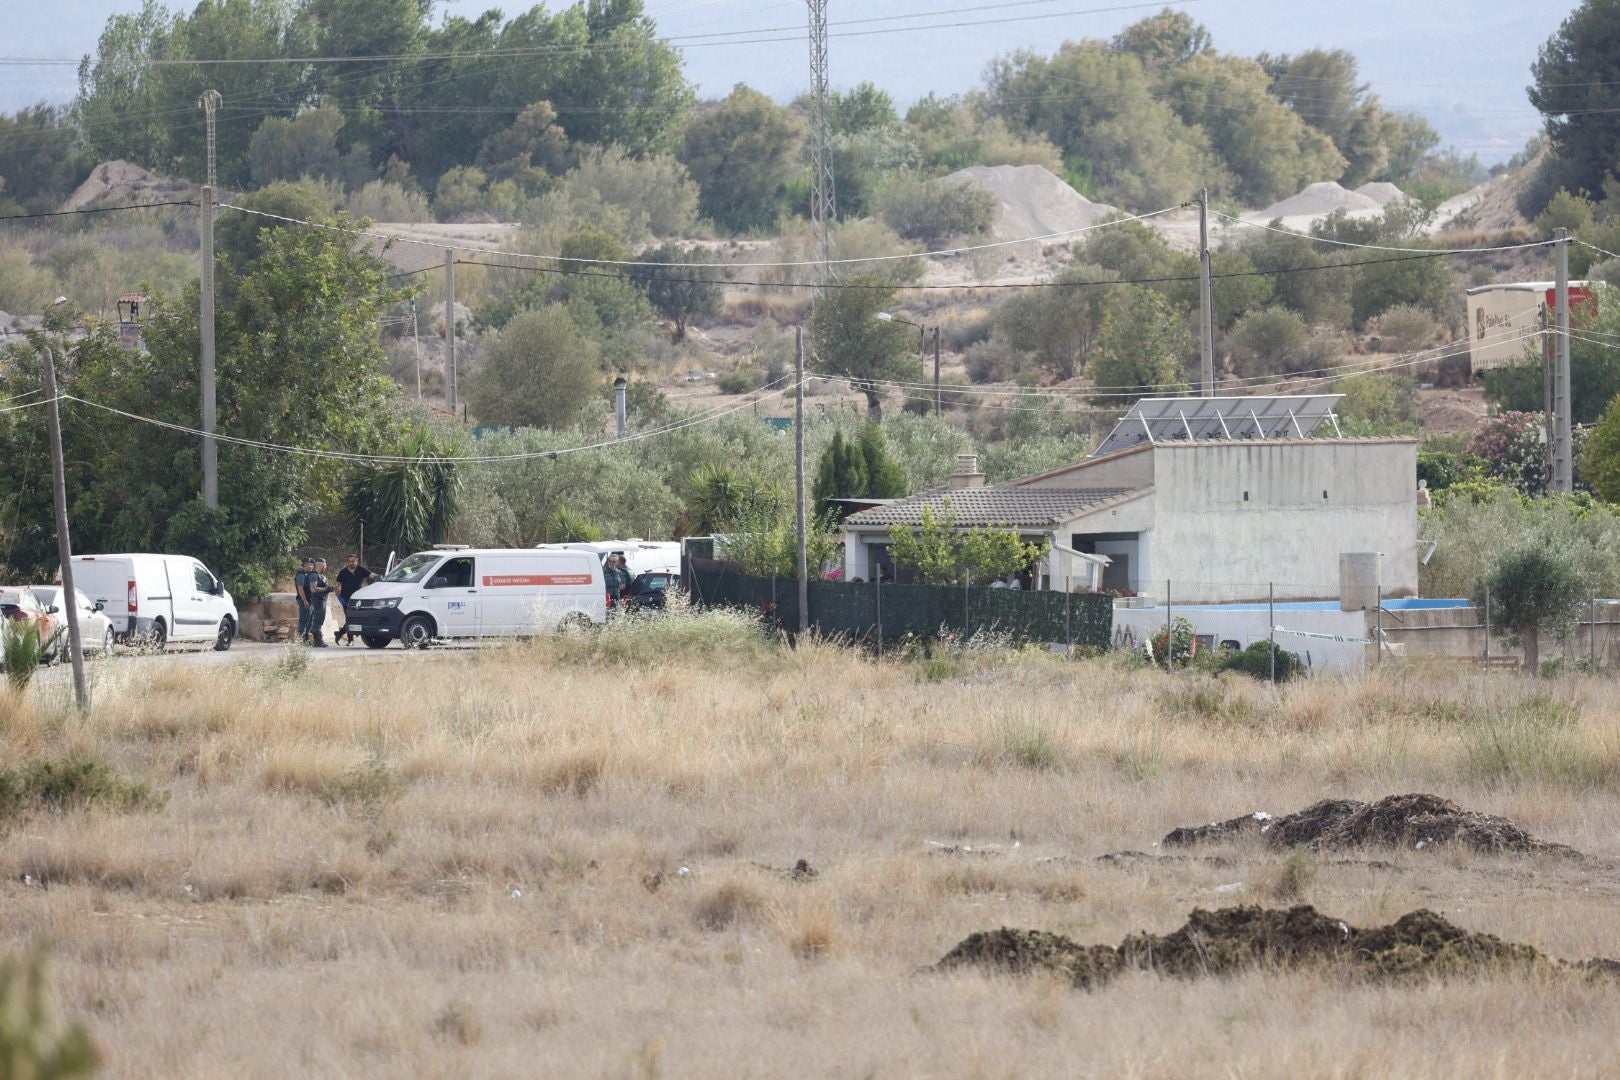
(617, 578)
(351, 579)
(301, 588)
(318, 588)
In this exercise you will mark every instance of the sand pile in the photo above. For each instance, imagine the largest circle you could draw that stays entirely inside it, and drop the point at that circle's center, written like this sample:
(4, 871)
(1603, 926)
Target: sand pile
(1383, 193)
(123, 182)
(1316, 201)
(1410, 821)
(1419, 944)
(1031, 201)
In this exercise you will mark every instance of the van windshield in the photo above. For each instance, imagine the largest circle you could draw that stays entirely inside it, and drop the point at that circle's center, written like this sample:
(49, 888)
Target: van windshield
(415, 568)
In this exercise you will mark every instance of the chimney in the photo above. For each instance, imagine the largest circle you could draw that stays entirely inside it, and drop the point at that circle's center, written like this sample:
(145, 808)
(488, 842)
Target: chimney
(967, 473)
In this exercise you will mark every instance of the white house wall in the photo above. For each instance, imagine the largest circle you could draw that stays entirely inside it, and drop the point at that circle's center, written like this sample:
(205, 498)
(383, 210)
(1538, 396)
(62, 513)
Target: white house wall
(1214, 545)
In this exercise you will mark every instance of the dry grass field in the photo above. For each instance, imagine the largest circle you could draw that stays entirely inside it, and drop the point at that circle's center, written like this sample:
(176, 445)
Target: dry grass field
(572, 858)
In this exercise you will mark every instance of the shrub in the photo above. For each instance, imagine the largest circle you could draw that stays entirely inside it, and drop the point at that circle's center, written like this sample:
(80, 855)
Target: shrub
(383, 200)
(1270, 341)
(1255, 661)
(741, 381)
(934, 211)
(75, 783)
(1406, 328)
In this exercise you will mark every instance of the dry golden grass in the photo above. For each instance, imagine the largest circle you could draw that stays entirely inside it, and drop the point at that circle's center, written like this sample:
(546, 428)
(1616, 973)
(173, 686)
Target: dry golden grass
(472, 864)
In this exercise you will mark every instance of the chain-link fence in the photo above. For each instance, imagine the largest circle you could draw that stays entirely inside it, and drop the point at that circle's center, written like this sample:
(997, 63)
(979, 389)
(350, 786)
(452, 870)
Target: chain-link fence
(878, 610)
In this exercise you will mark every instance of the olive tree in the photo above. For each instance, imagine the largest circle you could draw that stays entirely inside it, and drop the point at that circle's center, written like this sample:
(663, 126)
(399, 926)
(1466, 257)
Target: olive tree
(1532, 588)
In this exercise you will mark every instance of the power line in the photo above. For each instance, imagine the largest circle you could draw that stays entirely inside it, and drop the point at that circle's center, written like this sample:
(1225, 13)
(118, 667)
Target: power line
(1384, 247)
(96, 210)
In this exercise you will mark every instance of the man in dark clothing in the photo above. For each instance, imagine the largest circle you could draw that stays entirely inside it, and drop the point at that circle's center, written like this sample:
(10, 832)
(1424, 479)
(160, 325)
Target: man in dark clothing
(617, 578)
(351, 579)
(301, 588)
(318, 588)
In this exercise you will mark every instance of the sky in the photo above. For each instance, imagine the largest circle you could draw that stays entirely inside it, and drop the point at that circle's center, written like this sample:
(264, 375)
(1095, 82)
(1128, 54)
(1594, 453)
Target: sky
(1462, 65)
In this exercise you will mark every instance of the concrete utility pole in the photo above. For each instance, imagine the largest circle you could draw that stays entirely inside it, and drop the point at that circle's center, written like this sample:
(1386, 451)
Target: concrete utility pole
(620, 387)
(1206, 303)
(210, 448)
(936, 372)
(450, 324)
(798, 482)
(1563, 467)
(64, 545)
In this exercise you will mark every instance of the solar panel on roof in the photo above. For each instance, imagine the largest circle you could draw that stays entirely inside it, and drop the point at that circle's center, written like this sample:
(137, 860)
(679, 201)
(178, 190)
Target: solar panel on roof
(1156, 420)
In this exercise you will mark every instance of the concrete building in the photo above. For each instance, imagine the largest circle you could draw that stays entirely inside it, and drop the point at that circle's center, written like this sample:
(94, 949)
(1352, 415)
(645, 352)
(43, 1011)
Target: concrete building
(1218, 520)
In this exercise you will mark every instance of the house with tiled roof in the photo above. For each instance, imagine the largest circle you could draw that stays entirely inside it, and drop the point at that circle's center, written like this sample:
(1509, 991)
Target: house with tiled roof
(1214, 519)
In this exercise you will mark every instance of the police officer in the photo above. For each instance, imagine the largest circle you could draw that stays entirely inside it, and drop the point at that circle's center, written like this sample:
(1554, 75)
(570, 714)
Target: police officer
(318, 588)
(301, 588)
(616, 576)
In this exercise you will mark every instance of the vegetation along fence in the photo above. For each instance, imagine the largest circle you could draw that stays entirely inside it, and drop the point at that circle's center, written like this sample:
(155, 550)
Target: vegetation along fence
(862, 610)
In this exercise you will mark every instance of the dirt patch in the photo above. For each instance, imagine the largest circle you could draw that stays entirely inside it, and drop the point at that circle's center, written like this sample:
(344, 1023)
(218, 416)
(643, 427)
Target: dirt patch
(1229, 940)
(1415, 821)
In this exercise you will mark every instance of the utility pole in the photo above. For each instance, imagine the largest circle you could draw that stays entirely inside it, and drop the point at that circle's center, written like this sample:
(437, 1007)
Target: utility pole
(210, 448)
(1206, 303)
(450, 324)
(64, 545)
(621, 386)
(798, 482)
(416, 341)
(823, 200)
(936, 372)
(1563, 446)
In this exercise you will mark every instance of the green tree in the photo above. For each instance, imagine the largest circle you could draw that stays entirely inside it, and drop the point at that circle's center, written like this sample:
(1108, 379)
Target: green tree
(1059, 326)
(530, 152)
(864, 107)
(1531, 589)
(681, 293)
(41, 161)
(1142, 350)
(850, 341)
(1419, 282)
(742, 152)
(1268, 341)
(408, 503)
(306, 145)
(941, 554)
(539, 371)
(1323, 86)
(1600, 462)
(934, 211)
(1166, 40)
(1577, 90)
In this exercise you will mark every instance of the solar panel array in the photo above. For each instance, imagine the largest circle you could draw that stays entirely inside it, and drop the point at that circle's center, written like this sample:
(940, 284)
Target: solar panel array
(1156, 420)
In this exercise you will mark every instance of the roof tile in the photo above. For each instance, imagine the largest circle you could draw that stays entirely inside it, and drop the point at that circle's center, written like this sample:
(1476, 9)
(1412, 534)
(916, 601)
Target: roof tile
(1018, 507)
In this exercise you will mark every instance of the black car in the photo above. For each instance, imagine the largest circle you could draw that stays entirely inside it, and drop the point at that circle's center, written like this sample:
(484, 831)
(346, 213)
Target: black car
(647, 590)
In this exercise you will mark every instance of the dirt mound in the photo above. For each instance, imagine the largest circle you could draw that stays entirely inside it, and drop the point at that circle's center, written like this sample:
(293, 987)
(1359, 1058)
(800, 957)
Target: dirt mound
(1416, 821)
(1234, 939)
(1318, 200)
(1382, 193)
(123, 182)
(1031, 201)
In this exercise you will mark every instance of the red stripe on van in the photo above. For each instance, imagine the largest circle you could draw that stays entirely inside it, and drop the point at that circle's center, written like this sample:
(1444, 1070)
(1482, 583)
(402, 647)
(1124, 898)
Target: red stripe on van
(495, 581)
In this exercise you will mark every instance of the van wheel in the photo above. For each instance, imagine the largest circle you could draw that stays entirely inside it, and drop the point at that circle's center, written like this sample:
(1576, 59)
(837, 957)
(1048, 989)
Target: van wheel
(576, 622)
(108, 642)
(157, 637)
(375, 641)
(222, 640)
(416, 632)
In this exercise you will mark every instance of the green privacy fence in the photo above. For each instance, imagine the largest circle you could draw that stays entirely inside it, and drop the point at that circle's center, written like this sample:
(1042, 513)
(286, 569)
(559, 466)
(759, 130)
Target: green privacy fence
(872, 609)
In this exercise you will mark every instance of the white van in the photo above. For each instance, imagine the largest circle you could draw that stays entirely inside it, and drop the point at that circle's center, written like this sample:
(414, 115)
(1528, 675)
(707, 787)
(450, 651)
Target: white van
(155, 599)
(453, 592)
(640, 556)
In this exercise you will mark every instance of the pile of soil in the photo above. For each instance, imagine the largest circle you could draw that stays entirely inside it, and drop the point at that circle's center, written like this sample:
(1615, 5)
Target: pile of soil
(1233, 939)
(1415, 821)
(1315, 201)
(122, 182)
(1031, 201)
(1383, 193)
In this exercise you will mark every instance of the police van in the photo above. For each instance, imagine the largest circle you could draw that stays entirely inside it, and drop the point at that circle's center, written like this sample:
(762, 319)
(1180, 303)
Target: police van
(461, 592)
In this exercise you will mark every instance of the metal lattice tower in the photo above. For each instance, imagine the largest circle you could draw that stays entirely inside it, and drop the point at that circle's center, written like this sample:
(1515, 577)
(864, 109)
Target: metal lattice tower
(823, 202)
(209, 102)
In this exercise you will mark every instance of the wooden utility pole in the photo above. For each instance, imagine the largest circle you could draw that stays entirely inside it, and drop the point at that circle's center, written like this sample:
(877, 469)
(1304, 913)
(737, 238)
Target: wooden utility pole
(1564, 445)
(210, 448)
(450, 324)
(936, 372)
(64, 545)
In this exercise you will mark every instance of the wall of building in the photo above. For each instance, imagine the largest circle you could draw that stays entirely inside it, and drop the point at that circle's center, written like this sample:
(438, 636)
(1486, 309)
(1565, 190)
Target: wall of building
(1127, 469)
(1231, 518)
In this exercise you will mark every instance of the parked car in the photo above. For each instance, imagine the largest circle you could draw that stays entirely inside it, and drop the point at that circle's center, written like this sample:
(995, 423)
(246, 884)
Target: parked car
(456, 592)
(19, 607)
(156, 599)
(647, 590)
(96, 631)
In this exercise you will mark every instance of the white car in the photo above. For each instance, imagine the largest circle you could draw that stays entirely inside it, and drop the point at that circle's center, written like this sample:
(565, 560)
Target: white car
(95, 629)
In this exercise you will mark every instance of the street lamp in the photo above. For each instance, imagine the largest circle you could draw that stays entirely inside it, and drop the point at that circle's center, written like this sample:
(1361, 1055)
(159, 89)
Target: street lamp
(922, 348)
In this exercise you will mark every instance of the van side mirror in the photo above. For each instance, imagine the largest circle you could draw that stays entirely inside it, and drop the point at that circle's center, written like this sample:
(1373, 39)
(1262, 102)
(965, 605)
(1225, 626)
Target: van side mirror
(219, 588)
(439, 583)
(52, 610)
(100, 605)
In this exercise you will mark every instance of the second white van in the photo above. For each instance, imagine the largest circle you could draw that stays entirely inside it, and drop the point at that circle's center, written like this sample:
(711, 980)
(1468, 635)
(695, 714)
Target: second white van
(479, 592)
(158, 598)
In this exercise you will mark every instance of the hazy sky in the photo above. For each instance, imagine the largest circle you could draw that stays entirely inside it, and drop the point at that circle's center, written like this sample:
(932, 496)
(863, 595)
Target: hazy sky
(1465, 66)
